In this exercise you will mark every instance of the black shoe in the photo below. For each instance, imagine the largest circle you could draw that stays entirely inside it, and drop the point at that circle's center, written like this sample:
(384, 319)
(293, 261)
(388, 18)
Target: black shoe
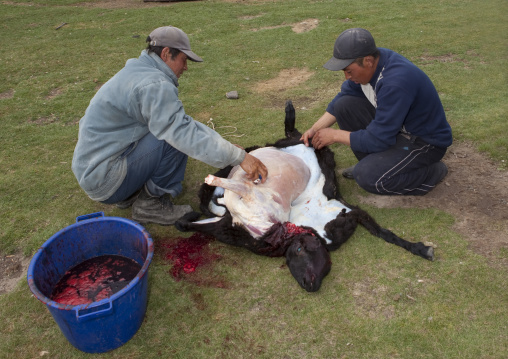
(348, 172)
(439, 172)
(129, 201)
(160, 210)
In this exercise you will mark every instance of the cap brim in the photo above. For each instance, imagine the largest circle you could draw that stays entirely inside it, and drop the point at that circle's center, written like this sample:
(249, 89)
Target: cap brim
(192, 56)
(335, 64)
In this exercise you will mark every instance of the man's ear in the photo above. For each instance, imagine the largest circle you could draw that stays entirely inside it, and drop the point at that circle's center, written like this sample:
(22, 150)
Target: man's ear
(165, 54)
(369, 61)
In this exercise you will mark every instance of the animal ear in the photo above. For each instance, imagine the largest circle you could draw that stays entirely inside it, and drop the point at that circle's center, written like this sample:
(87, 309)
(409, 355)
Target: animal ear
(310, 242)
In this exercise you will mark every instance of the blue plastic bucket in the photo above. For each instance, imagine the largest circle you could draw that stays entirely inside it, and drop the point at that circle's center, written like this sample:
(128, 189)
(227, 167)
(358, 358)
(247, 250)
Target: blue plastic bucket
(111, 322)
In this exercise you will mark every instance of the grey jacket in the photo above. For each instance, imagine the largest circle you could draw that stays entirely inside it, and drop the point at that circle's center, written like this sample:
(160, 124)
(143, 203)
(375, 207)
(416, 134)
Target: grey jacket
(142, 97)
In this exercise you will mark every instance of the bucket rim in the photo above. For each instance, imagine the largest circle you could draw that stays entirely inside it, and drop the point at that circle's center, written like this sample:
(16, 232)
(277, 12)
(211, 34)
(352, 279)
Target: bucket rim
(142, 272)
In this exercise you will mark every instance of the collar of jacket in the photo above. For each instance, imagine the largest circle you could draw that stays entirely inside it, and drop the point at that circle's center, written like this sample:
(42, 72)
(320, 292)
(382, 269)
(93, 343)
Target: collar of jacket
(155, 61)
(379, 69)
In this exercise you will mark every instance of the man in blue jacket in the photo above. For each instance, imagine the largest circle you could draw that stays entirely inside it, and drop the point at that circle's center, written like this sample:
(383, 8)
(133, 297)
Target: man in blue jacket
(390, 113)
(135, 137)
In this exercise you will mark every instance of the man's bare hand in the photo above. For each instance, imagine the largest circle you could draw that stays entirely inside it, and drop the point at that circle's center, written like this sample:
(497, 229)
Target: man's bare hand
(307, 135)
(254, 168)
(324, 137)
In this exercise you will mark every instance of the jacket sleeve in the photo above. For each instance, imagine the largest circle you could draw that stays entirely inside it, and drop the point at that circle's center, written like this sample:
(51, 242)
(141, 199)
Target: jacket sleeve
(167, 120)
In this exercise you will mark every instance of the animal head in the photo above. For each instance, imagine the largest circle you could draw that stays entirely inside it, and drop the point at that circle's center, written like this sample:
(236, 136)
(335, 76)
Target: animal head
(308, 261)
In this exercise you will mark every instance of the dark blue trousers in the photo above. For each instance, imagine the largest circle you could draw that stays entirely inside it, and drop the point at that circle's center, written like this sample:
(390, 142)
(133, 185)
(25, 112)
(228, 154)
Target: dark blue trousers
(410, 167)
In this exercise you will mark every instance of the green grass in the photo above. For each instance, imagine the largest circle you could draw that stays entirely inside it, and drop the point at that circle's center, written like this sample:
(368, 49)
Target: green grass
(378, 301)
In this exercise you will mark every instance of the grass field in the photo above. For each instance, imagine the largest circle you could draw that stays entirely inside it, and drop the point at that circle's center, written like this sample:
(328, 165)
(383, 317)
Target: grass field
(378, 301)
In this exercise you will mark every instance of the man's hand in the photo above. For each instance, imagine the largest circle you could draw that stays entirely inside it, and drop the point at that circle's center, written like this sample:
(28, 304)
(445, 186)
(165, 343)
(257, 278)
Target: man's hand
(324, 122)
(323, 137)
(254, 168)
(327, 136)
(307, 135)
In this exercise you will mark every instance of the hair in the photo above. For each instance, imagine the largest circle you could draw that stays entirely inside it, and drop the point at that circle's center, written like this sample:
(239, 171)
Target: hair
(158, 49)
(359, 61)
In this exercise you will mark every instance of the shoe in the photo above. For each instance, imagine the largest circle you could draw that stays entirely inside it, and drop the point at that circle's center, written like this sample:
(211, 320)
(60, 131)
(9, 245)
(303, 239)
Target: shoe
(439, 172)
(129, 201)
(159, 210)
(348, 172)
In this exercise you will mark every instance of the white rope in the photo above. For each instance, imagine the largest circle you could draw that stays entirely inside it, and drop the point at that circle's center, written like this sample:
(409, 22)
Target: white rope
(231, 133)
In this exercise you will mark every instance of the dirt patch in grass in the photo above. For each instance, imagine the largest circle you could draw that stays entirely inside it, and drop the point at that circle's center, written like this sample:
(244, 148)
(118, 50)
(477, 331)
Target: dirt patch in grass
(475, 192)
(13, 268)
(287, 78)
(251, 17)
(7, 94)
(54, 93)
(299, 27)
(41, 121)
(305, 25)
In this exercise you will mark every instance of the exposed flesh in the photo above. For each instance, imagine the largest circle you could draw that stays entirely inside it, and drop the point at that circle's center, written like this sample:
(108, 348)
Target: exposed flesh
(281, 198)
(259, 206)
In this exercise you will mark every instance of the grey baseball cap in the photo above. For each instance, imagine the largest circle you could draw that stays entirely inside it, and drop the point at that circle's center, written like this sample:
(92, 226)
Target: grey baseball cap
(350, 45)
(173, 37)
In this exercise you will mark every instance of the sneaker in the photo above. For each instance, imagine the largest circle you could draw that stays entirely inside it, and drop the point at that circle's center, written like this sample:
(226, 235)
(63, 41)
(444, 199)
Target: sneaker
(159, 210)
(129, 201)
(348, 172)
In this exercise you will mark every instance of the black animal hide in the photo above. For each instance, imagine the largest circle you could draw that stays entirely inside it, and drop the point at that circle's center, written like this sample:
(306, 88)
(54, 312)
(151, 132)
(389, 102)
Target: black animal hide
(277, 241)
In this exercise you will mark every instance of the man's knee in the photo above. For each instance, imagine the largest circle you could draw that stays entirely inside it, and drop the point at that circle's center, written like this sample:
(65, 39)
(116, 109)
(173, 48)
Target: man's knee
(365, 177)
(353, 113)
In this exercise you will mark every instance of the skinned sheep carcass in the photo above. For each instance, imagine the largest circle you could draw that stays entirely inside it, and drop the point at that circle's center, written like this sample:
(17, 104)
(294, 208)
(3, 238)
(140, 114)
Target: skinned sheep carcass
(297, 213)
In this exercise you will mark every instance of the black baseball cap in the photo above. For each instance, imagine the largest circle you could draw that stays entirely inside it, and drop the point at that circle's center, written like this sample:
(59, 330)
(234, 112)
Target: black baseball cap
(350, 45)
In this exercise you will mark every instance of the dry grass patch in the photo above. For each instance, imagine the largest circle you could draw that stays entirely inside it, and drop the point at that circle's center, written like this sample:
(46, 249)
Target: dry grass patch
(7, 94)
(287, 78)
(250, 17)
(299, 27)
(54, 93)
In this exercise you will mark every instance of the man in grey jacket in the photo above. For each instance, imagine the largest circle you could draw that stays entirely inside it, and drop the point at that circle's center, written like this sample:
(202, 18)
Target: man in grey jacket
(135, 137)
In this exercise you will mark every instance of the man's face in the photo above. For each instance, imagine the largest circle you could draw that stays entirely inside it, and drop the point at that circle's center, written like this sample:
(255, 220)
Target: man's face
(361, 74)
(178, 64)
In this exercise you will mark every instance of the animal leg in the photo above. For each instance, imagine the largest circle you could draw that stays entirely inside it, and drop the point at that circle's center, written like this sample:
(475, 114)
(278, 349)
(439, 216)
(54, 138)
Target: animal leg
(340, 229)
(206, 192)
(370, 224)
(289, 121)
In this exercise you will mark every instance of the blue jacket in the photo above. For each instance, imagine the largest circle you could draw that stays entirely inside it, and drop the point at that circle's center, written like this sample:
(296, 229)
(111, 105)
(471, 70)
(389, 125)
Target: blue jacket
(405, 100)
(142, 97)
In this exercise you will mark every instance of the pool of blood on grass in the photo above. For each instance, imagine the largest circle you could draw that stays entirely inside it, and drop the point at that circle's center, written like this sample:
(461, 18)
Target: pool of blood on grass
(95, 279)
(187, 254)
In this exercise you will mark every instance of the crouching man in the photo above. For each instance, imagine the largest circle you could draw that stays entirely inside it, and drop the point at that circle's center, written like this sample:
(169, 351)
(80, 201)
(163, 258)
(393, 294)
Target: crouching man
(390, 113)
(135, 137)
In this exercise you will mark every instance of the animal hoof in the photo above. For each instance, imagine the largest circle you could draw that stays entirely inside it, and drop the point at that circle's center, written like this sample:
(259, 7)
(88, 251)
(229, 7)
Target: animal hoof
(209, 179)
(183, 223)
(430, 254)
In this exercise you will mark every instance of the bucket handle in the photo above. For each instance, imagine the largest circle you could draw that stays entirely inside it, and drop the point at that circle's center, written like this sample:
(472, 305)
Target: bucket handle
(96, 314)
(89, 216)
